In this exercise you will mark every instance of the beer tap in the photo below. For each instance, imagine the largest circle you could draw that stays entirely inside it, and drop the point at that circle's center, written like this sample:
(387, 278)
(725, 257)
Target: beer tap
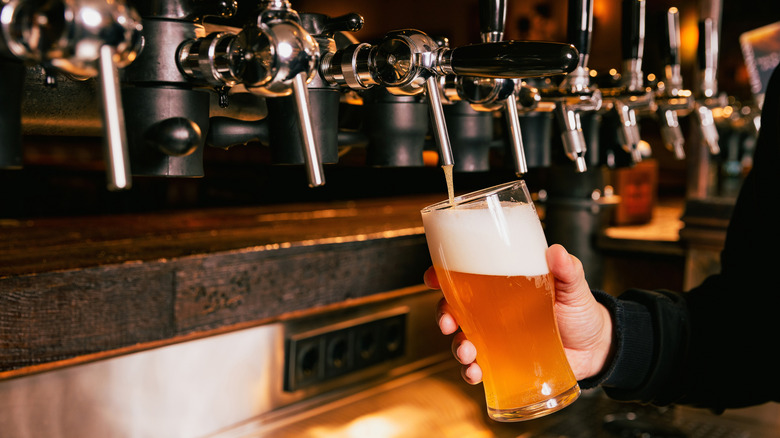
(632, 94)
(575, 95)
(408, 62)
(274, 57)
(708, 97)
(279, 128)
(492, 18)
(168, 109)
(83, 38)
(672, 99)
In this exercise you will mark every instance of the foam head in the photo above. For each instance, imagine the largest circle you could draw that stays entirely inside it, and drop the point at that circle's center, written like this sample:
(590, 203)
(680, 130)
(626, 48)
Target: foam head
(488, 237)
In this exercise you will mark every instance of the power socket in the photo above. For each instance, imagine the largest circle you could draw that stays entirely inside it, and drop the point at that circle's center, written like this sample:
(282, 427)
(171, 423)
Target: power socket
(319, 355)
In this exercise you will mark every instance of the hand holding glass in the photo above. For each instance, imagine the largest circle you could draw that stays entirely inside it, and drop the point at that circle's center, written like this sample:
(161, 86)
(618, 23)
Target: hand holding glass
(488, 250)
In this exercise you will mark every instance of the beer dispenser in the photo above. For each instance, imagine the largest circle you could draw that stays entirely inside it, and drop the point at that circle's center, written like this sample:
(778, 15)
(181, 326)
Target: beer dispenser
(409, 62)
(672, 100)
(575, 205)
(84, 39)
(486, 95)
(708, 96)
(630, 95)
(575, 96)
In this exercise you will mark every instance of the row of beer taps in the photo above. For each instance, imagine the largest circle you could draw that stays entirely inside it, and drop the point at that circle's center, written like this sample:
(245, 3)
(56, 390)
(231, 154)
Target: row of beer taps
(157, 66)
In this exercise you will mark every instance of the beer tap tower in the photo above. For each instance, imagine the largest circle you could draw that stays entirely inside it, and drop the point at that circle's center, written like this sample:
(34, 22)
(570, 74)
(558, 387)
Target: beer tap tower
(409, 62)
(83, 38)
(631, 96)
(673, 101)
(575, 95)
(576, 208)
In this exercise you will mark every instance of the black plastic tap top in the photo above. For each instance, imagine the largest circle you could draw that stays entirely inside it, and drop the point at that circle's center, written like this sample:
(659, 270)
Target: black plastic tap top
(514, 59)
(633, 29)
(579, 25)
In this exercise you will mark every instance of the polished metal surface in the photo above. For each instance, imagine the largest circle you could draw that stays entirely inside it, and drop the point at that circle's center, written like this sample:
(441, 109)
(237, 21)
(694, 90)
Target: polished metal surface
(204, 386)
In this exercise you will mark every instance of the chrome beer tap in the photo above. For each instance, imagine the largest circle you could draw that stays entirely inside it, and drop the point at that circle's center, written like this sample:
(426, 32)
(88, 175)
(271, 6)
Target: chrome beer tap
(168, 110)
(575, 95)
(672, 99)
(632, 94)
(273, 57)
(708, 96)
(408, 62)
(83, 38)
(492, 18)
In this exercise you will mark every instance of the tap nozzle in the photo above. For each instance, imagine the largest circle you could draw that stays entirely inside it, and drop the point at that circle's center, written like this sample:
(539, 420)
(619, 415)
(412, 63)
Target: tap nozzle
(85, 38)
(571, 135)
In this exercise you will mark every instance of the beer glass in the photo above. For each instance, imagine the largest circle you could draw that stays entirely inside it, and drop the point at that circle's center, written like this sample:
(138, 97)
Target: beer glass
(488, 250)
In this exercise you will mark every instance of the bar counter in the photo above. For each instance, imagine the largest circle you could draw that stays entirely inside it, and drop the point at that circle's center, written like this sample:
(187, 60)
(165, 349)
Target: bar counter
(84, 288)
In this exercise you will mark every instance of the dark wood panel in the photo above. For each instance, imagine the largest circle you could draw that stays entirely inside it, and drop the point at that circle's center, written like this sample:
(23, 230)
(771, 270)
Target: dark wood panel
(83, 287)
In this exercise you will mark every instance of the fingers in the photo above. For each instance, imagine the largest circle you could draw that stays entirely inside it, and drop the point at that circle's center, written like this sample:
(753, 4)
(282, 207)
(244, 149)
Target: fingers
(471, 373)
(430, 278)
(444, 318)
(465, 352)
(463, 349)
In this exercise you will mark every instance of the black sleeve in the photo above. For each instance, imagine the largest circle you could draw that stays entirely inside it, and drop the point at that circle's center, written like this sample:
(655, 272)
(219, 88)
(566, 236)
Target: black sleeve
(713, 346)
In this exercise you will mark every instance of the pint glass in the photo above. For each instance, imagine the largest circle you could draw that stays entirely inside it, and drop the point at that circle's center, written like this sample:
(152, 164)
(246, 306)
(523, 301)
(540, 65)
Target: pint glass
(488, 249)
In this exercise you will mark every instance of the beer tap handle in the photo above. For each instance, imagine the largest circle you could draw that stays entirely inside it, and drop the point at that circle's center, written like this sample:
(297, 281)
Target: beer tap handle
(672, 46)
(351, 22)
(633, 38)
(670, 126)
(629, 130)
(492, 16)
(439, 124)
(708, 57)
(579, 27)
(513, 121)
(709, 131)
(311, 156)
(115, 137)
(510, 59)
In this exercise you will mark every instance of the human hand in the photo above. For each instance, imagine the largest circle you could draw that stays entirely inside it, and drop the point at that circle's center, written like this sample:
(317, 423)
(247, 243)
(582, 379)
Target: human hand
(584, 324)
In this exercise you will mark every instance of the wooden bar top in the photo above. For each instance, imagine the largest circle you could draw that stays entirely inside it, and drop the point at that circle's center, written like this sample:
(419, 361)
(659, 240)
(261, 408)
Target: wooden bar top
(47, 244)
(77, 288)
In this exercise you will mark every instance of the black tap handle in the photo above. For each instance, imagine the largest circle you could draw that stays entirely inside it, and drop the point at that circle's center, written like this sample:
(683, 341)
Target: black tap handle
(580, 24)
(633, 36)
(671, 46)
(514, 59)
(226, 132)
(351, 22)
(492, 16)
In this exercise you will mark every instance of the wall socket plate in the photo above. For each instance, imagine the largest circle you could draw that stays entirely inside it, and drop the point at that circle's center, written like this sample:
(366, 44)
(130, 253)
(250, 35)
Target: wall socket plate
(325, 353)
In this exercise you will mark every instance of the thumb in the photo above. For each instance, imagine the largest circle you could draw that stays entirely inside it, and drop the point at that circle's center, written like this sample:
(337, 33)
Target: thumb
(570, 284)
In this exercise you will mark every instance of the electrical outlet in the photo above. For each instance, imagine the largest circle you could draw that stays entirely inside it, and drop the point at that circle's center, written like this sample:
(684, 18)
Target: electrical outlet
(320, 355)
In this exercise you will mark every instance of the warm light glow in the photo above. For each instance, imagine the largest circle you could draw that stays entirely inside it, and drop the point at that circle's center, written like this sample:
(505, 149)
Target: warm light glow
(90, 17)
(689, 35)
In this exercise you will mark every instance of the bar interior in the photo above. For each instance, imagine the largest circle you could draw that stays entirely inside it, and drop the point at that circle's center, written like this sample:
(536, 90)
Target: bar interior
(195, 242)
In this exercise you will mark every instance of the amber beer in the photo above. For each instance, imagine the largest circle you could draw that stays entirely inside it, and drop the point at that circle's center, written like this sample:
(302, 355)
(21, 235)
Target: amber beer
(488, 249)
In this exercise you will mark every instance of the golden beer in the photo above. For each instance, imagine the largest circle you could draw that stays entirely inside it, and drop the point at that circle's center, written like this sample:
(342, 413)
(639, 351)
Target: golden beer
(488, 249)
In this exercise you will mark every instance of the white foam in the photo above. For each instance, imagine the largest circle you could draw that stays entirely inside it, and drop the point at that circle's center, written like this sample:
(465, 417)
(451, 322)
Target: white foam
(473, 240)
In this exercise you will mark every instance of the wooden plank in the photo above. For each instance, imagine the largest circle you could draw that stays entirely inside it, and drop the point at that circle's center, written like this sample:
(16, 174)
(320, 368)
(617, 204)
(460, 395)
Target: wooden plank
(61, 315)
